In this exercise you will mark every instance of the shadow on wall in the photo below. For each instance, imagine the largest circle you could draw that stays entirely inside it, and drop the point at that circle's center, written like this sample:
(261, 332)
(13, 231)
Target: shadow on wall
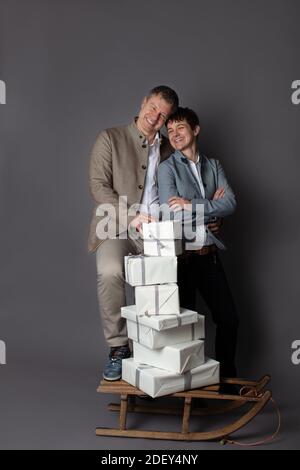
(246, 234)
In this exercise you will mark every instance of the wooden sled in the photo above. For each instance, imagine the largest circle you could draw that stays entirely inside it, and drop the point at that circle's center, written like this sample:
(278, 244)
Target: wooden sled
(254, 394)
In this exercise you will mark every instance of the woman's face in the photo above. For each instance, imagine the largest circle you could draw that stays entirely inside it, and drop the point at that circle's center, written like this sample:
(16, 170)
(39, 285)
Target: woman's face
(181, 135)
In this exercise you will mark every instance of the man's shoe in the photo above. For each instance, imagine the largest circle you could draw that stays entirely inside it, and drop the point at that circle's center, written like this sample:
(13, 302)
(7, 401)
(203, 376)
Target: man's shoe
(113, 368)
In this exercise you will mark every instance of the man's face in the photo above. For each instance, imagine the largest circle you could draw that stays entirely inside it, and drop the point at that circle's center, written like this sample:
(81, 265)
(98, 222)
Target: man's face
(181, 135)
(153, 114)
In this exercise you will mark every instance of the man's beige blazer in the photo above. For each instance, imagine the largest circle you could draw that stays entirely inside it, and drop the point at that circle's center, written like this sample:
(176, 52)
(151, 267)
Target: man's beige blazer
(118, 167)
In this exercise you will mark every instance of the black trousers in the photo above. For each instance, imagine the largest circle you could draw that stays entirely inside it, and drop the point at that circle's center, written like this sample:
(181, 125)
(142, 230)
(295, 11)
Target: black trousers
(205, 273)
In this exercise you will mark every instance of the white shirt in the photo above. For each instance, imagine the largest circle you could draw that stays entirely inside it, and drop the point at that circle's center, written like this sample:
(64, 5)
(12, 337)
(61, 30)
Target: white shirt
(196, 170)
(150, 199)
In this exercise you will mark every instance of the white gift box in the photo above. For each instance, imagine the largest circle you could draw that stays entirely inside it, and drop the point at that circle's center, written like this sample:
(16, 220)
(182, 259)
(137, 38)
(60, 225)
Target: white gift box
(154, 339)
(158, 382)
(178, 358)
(158, 322)
(161, 299)
(146, 270)
(163, 238)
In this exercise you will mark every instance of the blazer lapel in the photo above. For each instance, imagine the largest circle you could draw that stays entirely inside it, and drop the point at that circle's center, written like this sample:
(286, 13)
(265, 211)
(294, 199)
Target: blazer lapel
(208, 177)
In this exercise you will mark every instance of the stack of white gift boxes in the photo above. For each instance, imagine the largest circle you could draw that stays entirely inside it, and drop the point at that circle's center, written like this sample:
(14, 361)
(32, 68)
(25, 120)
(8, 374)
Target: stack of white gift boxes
(168, 341)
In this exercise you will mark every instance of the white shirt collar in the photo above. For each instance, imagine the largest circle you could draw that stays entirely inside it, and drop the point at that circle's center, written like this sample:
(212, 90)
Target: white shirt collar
(197, 161)
(155, 140)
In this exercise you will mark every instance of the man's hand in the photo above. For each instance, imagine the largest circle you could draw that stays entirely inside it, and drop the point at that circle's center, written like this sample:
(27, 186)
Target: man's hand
(136, 224)
(215, 226)
(220, 192)
(179, 204)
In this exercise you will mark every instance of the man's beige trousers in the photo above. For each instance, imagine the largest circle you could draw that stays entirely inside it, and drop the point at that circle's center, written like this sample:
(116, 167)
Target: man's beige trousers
(111, 286)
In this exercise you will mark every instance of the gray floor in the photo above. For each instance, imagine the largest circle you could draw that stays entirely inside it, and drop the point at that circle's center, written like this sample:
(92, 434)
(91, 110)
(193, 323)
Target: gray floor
(58, 408)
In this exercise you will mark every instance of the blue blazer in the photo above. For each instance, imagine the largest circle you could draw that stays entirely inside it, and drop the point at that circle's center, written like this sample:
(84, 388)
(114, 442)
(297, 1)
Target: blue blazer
(175, 178)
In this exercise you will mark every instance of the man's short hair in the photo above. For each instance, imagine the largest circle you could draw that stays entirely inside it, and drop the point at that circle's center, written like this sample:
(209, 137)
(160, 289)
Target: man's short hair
(184, 114)
(169, 95)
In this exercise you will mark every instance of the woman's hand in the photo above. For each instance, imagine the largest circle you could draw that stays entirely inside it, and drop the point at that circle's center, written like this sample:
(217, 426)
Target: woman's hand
(179, 204)
(220, 192)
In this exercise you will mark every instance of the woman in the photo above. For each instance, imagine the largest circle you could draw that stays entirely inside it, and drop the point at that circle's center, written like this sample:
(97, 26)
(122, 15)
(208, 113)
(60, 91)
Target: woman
(186, 179)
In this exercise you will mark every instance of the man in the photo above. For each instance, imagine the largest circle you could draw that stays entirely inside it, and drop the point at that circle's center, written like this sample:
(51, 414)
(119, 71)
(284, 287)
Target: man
(186, 179)
(124, 162)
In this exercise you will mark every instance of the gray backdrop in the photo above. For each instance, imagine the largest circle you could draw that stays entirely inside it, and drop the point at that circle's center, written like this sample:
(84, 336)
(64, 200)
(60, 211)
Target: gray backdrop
(74, 67)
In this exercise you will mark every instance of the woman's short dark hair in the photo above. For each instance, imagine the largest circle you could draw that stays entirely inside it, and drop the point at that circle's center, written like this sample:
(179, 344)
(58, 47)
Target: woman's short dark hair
(169, 95)
(184, 114)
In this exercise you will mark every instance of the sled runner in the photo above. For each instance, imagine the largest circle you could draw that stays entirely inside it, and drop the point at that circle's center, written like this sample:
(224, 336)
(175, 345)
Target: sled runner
(252, 393)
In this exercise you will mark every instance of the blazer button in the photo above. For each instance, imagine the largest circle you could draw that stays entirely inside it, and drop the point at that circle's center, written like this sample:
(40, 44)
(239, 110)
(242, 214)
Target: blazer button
(144, 167)
(141, 186)
(144, 146)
